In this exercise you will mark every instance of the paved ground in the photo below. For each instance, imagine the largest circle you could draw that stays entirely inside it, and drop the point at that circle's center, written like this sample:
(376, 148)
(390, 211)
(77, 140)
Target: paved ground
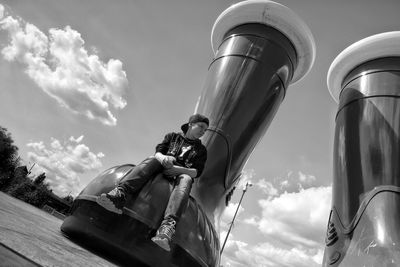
(32, 237)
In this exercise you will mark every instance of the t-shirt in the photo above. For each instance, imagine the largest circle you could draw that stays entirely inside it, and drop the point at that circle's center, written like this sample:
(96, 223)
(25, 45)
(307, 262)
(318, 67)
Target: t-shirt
(188, 153)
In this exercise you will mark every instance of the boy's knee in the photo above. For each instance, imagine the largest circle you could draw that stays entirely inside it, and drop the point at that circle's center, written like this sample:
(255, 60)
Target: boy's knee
(149, 167)
(185, 178)
(184, 182)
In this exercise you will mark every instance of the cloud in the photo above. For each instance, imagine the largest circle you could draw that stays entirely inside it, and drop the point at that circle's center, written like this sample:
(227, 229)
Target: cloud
(290, 182)
(239, 254)
(1, 11)
(294, 182)
(62, 67)
(63, 163)
(247, 176)
(296, 218)
(294, 225)
(229, 212)
(267, 187)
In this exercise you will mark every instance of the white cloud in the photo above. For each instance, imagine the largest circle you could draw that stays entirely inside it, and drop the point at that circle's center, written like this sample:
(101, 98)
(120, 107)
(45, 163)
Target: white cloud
(267, 187)
(229, 212)
(294, 182)
(294, 225)
(306, 178)
(252, 220)
(1, 11)
(297, 218)
(284, 184)
(247, 176)
(63, 163)
(62, 67)
(239, 254)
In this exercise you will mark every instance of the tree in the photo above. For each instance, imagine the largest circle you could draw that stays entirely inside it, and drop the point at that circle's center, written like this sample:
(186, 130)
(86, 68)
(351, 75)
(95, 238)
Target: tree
(20, 189)
(26, 190)
(69, 199)
(8, 152)
(39, 196)
(40, 178)
(8, 157)
(14, 179)
(4, 180)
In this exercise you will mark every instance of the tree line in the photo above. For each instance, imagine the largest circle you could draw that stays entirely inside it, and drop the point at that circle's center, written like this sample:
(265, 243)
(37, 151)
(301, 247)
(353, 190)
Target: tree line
(14, 178)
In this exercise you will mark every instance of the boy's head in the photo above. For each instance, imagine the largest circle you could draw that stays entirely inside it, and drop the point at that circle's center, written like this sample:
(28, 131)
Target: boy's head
(195, 119)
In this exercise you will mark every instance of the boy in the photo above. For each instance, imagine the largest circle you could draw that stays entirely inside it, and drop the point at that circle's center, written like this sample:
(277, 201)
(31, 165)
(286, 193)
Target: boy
(181, 156)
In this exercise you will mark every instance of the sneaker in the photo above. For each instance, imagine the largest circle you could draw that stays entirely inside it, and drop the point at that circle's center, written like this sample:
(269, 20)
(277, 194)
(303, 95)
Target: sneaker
(112, 201)
(164, 234)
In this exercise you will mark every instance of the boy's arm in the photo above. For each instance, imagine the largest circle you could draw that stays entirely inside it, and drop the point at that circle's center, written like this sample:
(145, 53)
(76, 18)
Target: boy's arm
(177, 170)
(166, 161)
(195, 170)
(161, 151)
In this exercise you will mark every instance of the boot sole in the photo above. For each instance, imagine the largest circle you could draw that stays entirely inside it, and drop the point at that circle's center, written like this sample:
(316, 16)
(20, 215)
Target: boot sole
(163, 243)
(103, 201)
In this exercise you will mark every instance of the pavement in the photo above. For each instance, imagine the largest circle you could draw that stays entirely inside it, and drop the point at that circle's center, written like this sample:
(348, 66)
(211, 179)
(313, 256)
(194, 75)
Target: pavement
(31, 237)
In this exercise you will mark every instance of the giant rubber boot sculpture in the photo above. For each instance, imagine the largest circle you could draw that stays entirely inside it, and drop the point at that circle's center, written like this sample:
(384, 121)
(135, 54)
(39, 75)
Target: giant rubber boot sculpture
(364, 222)
(260, 48)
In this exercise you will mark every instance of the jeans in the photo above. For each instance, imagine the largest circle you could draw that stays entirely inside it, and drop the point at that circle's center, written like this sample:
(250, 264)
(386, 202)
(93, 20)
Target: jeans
(179, 197)
(148, 169)
(140, 175)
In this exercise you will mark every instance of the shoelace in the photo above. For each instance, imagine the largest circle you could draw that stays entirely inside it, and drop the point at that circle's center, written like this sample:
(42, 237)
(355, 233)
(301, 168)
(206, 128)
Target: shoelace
(115, 192)
(168, 228)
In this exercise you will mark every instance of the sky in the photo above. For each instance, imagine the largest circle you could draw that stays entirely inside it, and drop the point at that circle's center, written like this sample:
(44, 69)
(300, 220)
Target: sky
(87, 85)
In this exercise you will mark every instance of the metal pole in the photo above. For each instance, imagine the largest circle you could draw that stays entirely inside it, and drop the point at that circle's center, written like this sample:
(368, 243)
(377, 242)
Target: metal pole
(234, 216)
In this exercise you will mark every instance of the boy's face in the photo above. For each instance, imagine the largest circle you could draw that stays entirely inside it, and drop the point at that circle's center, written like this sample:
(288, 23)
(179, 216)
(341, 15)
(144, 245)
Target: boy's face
(198, 129)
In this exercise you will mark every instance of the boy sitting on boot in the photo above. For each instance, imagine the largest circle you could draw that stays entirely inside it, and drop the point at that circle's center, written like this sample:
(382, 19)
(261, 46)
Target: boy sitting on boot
(181, 156)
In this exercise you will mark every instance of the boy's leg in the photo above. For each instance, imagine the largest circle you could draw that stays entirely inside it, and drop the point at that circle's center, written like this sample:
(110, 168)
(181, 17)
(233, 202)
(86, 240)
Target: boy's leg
(176, 205)
(114, 200)
(139, 175)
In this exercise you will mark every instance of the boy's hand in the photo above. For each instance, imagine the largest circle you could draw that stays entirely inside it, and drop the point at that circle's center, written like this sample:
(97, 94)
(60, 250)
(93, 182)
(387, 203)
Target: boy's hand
(171, 172)
(168, 162)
